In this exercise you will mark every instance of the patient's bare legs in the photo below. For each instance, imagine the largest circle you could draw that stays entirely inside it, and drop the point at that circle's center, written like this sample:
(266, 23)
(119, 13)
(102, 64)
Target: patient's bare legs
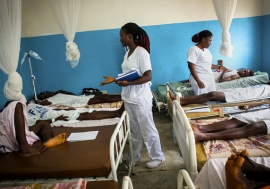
(200, 99)
(41, 129)
(228, 129)
(243, 173)
(98, 115)
(24, 148)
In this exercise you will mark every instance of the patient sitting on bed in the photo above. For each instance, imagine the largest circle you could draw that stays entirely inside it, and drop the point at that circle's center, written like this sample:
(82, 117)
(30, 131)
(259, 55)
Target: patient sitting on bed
(243, 173)
(240, 126)
(69, 99)
(227, 95)
(38, 112)
(229, 75)
(15, 135)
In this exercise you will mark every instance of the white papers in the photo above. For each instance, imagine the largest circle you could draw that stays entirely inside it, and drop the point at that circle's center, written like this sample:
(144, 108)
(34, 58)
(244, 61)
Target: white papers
(199, 110)
(81, 136)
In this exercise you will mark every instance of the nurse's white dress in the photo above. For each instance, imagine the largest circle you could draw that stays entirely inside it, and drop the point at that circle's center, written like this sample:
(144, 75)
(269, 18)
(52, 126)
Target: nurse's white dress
(138, 104)
(203, 63)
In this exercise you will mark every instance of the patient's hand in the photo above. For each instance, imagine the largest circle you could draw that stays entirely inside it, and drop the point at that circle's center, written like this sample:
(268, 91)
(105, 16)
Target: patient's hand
(62, 117)
(220, 62)
(108, 80)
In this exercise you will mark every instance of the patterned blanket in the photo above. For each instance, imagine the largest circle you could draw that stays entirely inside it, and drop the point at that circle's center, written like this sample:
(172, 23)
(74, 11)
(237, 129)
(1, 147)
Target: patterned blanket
(116, 105)
(255, 145)
(80, 184)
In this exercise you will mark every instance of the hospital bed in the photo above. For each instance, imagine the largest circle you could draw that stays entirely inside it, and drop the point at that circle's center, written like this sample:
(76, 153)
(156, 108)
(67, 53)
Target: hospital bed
(184, 88)
(194, 154)
(93, 160)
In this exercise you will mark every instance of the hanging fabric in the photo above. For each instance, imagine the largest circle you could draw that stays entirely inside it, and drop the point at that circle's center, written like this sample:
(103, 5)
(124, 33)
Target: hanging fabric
(67, 13)
(225, 10)
(10, 40)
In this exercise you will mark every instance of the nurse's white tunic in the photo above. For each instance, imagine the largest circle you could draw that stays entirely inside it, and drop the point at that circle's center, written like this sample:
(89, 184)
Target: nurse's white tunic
(138, 104)
(203, 63)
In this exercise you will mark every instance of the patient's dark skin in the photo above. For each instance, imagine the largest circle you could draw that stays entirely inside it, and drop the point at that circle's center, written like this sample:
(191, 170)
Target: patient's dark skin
(42, 129)
(241, 73)
(243, 173)
(100, 98)
(228, 130)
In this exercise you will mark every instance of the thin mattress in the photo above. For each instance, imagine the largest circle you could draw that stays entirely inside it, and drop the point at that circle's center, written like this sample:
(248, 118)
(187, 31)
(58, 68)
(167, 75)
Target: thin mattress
(89, 158)
(186, 90)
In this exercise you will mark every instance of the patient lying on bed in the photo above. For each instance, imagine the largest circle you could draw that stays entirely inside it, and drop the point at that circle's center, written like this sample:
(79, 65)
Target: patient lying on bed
(240, 126)
(243, 173)
(15, 135)
(227, 95)
(38, 112)
(68, 99)
(229, 75)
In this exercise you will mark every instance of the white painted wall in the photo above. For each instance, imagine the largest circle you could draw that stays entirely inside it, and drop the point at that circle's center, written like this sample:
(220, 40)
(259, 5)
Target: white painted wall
(266, 7)
(38, 18)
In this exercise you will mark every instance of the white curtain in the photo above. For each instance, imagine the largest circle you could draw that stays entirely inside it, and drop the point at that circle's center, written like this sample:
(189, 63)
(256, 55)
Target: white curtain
(225, 11)
(67, 13)
(10, 40)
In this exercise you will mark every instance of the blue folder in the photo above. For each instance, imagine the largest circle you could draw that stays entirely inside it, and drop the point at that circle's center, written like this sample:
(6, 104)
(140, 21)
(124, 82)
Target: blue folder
(128, 76)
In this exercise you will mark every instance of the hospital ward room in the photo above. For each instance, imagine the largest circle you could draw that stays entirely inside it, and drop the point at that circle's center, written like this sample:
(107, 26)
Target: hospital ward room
(135, 94)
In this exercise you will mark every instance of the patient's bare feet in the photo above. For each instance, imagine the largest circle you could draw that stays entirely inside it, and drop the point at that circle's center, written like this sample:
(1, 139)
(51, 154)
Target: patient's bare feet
(27, 151)
(59, 139)
(195, 128)
(236, 179)
(253, 170)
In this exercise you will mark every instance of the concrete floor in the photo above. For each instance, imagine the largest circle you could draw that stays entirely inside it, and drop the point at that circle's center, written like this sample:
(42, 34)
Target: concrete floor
(165, 175)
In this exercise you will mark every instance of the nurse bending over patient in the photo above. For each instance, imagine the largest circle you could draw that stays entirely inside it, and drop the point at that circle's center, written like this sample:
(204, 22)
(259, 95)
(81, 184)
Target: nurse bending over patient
(200, 64)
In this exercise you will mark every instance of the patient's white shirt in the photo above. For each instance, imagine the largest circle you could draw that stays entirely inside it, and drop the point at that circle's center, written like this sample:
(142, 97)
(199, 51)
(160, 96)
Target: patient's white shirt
(70, 100)
(228, 73)
(38, 112)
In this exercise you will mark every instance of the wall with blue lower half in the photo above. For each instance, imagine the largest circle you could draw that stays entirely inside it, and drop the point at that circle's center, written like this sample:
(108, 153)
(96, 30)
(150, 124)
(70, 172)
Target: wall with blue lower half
(102, 55)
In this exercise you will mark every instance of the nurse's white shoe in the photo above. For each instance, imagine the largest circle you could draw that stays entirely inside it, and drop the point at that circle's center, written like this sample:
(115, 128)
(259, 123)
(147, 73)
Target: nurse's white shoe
(154, 163)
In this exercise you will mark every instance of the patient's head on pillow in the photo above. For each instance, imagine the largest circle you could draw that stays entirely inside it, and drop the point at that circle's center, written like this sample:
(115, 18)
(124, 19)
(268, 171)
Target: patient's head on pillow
(245, 72)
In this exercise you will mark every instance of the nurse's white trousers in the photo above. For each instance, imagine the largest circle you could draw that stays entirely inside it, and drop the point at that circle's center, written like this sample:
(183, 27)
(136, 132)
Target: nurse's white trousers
(143, 129)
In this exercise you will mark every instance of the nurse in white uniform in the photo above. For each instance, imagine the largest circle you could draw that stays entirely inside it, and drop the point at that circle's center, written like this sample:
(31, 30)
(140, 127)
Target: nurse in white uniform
(137, 94)
(200, 64)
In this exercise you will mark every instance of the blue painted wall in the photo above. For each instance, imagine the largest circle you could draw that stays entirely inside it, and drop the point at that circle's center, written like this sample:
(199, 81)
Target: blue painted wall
(102, 54)
(266, 44)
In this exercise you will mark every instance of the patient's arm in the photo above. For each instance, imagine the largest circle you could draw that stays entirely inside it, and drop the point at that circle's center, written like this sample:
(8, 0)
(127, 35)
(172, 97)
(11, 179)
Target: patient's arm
(61, 117)
(108, 80)
(230, 78)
